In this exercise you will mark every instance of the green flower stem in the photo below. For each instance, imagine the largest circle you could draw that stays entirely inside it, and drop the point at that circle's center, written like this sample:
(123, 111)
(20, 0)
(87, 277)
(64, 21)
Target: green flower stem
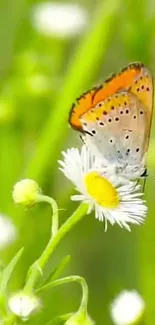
(44, 258)
(55, 218)
(69, 279)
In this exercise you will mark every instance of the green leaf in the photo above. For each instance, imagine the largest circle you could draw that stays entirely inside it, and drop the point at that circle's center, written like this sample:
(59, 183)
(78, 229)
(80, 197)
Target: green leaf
(6, 274)
(59, 269)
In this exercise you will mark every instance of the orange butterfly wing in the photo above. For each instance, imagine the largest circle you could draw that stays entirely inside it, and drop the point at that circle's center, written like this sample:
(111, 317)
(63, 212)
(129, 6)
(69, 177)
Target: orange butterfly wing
(136, 78)
(143, 89)
(84, 103)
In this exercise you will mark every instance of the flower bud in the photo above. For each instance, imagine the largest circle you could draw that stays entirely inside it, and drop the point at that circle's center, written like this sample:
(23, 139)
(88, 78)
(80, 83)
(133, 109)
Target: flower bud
(80, 318)
(26, 192)
(23, 305)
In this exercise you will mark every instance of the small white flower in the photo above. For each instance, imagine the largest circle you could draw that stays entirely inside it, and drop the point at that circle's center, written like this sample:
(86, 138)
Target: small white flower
(114, 199)
(59, 19)
(127, 308)
(8, 232)
(26, 192)
(23, 305)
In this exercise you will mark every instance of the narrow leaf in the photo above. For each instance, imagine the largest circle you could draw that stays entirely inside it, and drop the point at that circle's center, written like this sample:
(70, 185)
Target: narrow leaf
(6, 274)
(59, 269)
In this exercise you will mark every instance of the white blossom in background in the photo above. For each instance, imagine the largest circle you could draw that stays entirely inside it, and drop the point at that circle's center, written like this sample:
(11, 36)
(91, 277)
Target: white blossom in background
(59, 19)
(8, 232)
(23, 305)
(127, 308)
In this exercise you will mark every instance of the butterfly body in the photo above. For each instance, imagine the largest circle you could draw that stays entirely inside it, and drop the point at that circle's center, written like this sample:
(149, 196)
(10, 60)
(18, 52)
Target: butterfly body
(115, 120)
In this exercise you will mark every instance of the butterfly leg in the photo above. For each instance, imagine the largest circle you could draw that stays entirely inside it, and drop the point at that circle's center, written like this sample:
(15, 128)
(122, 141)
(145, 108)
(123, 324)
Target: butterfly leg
(144, 175)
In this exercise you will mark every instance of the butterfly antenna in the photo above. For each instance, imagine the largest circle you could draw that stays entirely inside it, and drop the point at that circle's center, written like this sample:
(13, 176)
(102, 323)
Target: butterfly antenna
(81, 138)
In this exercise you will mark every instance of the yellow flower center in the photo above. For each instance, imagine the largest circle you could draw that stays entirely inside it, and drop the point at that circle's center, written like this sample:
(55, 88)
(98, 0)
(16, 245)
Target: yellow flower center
(101, 190)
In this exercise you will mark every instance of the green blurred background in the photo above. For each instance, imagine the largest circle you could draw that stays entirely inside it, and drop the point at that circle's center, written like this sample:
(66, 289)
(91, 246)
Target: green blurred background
(41, 74)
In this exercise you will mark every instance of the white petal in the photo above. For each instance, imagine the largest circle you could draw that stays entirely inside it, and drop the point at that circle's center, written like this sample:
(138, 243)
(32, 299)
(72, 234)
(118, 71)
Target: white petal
(79, 197)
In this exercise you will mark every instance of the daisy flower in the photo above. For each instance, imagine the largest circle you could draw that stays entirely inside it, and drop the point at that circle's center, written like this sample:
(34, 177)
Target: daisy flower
(113, 198)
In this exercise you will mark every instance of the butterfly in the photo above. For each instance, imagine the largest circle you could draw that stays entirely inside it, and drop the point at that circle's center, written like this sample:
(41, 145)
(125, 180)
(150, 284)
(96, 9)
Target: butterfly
(115, 119)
